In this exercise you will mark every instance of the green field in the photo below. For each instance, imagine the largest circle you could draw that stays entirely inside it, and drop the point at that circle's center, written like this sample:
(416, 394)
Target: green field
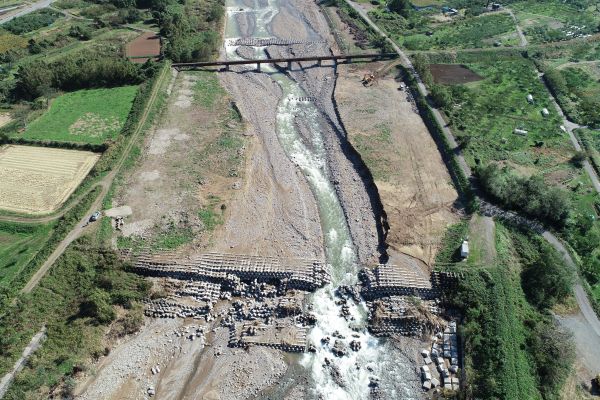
(554, 20)
(481, 31)
(18, 245)
(85, 116)
(484, 115)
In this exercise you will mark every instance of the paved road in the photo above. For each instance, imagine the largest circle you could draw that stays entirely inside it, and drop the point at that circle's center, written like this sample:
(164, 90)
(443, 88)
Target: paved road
(105, 184)
(33, 345)
(589, 316)
(26, 10)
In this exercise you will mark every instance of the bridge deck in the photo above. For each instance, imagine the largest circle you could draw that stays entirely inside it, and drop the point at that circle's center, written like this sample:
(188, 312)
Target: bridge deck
(201, 64)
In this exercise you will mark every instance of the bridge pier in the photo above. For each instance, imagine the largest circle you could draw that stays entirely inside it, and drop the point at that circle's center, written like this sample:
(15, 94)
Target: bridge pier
(258, 67)
(289, 65)
(320, 63)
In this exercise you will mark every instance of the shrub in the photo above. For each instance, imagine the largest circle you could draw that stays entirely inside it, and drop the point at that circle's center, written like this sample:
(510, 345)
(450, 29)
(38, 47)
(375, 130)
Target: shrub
(31, 22)
(529, 195)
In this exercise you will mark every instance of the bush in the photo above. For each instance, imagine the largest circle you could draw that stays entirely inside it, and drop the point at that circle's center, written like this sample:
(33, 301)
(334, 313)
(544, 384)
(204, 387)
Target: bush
(528, 195)
(31, 22)
(82, 71)
(98, 306)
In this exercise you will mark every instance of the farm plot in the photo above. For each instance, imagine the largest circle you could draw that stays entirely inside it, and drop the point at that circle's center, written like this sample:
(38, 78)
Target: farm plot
(84, 116)
(494, 121)
(144, 47)
(38, 180)
(452, 74)
(550, 21)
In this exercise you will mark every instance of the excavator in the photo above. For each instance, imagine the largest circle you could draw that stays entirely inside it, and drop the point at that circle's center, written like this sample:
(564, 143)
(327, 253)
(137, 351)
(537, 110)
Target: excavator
(371, 78)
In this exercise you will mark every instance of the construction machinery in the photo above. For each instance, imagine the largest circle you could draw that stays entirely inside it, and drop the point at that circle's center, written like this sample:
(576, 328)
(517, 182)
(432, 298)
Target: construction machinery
(369, 79)
(372, 77)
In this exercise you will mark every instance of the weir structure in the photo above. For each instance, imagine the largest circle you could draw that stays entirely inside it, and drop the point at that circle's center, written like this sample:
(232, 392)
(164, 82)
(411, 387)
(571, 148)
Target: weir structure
(303, 274)
(287, 61)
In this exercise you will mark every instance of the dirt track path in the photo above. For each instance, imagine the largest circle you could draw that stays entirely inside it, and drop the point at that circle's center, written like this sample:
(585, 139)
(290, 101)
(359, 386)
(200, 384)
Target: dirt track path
(33, 345)
(105, 183)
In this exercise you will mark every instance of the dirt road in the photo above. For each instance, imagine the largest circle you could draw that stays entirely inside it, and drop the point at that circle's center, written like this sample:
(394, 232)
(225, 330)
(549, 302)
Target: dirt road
(105, 184)
(35, 343)
(26, 10)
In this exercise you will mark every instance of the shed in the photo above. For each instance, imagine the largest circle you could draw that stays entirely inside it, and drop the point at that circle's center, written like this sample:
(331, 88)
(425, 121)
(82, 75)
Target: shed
(427, 385)
(529, 98)
(545, 112)
(435, 382)
(424, 368)
(520, 131)
(464, 249)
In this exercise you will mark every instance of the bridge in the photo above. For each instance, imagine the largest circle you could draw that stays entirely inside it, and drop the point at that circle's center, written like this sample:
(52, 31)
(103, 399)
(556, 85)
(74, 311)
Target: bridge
(288, 61)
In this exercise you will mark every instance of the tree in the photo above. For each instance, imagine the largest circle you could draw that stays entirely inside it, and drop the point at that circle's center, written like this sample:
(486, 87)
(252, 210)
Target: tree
(547, 280)
(441, 96)
(98, 307)
(401, 7)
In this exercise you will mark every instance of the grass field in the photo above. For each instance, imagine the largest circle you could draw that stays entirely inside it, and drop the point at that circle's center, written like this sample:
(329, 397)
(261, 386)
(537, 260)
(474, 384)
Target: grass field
(18, 245)
(85, 116)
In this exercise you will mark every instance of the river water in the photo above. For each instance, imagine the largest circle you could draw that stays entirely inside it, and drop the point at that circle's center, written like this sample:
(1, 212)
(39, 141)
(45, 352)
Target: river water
(376, 360)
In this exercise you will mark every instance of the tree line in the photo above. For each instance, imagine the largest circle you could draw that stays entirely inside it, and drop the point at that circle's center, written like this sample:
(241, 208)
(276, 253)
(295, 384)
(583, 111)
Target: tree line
(80, 71)
(531, 196)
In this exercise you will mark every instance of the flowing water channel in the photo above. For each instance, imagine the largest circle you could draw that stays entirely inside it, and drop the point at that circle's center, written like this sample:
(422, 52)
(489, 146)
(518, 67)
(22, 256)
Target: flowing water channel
(346, 377)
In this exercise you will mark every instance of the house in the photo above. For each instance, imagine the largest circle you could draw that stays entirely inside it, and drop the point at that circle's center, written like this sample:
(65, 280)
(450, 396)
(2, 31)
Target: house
(545, 112)
(530, 99)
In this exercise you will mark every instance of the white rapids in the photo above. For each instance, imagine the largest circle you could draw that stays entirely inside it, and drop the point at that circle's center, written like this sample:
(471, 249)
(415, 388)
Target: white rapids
(375, 359)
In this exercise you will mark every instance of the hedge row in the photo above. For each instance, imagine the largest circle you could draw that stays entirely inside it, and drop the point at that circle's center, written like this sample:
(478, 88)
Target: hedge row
(97, 148)
(461, 182)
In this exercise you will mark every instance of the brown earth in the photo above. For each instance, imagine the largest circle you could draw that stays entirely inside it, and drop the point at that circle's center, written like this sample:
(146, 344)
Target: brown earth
(413, 182)
(452, 74)
(147, 44)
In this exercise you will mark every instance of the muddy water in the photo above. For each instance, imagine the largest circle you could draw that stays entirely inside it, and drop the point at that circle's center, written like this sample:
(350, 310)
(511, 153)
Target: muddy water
(330, 377)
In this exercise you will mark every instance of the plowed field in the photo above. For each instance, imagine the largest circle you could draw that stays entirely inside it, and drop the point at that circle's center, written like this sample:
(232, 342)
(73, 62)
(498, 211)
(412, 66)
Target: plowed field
(38, 180)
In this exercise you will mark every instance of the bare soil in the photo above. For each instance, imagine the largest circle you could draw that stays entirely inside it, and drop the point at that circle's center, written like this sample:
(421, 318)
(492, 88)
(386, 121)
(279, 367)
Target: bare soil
(411, 178)
(453, 74)
(147, 44)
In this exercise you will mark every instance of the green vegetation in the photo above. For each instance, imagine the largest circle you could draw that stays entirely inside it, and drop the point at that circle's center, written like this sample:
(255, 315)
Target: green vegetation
(481, 31)
(554, 20)
(75, 300)
(207, 89)
(513, 348)
(578, 92)
(191, 27)
(484, 115)
(90, 116)
(530, 196)
(31, 22)
(19, 243)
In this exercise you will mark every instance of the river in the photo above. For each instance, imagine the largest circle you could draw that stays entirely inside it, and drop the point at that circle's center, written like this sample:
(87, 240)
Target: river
(353, 375)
